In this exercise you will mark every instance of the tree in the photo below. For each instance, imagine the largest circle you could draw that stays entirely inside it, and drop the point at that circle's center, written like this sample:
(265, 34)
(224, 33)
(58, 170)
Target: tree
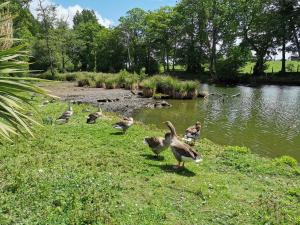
(47, 15)
(85, 16)
(86, 27)
(111, 52)
(258, 24)
(192, 19)
(133, 28)
(160, 35)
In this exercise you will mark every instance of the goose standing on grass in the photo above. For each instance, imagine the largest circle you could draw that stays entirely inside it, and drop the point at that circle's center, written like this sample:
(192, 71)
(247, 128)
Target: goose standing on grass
(124, 124)
(158, 144)
(182, 151)
(94, 116)
(64, 118)
(192, 133)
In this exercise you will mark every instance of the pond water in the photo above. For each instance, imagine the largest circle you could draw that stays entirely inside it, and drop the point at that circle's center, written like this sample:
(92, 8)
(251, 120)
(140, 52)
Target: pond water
(266, 119)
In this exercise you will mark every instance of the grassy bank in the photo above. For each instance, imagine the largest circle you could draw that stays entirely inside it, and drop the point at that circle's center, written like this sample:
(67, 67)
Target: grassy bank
(85, 174)
(273, 66)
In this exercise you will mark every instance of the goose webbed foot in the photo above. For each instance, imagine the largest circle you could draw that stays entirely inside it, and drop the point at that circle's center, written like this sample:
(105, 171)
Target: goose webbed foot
(178, 166)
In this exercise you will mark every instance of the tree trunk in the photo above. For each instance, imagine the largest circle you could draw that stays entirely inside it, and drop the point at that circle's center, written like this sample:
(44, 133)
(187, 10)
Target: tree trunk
(212, 66)
(167, 56)
(283, 55)
(95, 61)
(173, 60)
(129, 56)
(259, 65)
(50, 55)
(63, 61)
(296, 40)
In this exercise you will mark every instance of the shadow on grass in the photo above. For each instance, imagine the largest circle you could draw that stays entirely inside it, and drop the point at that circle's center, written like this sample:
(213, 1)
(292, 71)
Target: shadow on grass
(117, 133)
(170, 169)
(153, 157)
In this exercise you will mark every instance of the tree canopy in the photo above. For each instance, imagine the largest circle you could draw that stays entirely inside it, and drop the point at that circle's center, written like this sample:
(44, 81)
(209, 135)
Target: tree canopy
(217, 37)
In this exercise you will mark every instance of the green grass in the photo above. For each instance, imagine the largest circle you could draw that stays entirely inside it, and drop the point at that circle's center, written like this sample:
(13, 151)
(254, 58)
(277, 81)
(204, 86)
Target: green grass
(171, 86)
(276, 65)
(85, 174)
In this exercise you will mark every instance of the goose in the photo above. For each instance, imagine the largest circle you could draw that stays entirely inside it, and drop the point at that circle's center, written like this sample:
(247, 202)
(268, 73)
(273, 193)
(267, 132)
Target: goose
(124, 124)
(158, 144)
(64, 118)
(182, 151)
(94, 116)
(192, 133)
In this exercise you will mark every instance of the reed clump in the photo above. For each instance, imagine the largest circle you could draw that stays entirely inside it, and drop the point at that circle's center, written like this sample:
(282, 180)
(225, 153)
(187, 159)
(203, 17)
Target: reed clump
(170, 86)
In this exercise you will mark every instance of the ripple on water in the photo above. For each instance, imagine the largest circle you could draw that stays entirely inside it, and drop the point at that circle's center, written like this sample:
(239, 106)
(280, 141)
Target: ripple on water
(265, 119)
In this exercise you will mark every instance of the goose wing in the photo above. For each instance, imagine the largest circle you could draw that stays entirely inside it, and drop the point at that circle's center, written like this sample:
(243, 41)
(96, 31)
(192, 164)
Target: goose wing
(121, 124)
(192, 130)
(184, 149)
(93, 116)
(154, 142)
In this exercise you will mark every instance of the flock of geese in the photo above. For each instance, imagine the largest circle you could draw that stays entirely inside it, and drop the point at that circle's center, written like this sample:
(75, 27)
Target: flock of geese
(181, 148)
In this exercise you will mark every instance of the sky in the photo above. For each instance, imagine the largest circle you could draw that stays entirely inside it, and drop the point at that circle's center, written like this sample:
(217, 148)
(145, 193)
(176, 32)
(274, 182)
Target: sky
(108, 11)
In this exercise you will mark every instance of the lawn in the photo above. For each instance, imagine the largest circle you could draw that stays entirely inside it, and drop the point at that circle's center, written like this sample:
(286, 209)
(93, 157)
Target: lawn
(291, 66)
(86, 174)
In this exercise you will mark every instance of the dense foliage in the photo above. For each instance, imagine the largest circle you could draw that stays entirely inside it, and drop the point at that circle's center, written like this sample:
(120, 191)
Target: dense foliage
(14, 92)
(197, 35)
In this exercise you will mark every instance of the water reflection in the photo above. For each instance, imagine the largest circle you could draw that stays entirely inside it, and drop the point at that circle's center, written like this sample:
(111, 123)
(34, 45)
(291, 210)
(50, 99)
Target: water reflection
(266, 119)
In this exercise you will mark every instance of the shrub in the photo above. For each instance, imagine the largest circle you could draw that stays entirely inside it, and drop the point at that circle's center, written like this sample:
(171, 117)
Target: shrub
(48, 75)
(238, 149)
(192, 88)
(112, 82)
(149, 87)
(70, 77)
(85, 81)
(179, 91)
(286, 160)
(100, 81)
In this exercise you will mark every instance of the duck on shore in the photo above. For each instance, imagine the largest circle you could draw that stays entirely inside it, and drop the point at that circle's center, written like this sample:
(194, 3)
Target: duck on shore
(124, 124)
(64, 118)
(182, 151)
(158, 144)
(192, 133)
(94, 116)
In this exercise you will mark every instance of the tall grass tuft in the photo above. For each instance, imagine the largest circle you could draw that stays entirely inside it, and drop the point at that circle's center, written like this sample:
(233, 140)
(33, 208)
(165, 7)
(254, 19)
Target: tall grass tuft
(170, 86)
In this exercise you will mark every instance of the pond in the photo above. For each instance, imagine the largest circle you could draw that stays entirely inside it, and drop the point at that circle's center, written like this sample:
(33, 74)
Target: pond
(266, 119)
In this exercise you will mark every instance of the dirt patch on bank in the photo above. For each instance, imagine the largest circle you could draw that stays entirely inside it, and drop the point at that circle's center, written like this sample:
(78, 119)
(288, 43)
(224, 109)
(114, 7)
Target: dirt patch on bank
(120, 101)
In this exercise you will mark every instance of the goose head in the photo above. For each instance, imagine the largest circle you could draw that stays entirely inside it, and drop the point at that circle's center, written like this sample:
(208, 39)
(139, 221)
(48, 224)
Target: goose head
(172, 128)
(99, 108)
(70, 107)
(198, 124)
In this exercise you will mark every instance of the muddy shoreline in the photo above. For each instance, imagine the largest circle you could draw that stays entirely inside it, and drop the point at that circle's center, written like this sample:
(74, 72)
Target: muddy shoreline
(120, 101)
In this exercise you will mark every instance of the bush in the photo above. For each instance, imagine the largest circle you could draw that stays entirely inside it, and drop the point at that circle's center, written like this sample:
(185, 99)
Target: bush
(112, 82)
(100, 81)
(238, 149)
(85, 81)
(149, 87)
(71, 77)
(286, 160)
(48, 75)
(170, 86)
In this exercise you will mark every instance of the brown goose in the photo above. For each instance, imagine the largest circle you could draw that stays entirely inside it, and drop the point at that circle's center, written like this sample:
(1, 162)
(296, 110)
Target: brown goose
(124, 124)
(192, 133)
(94, 116)
(158, 144)
(182, 151)
(64, 118)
